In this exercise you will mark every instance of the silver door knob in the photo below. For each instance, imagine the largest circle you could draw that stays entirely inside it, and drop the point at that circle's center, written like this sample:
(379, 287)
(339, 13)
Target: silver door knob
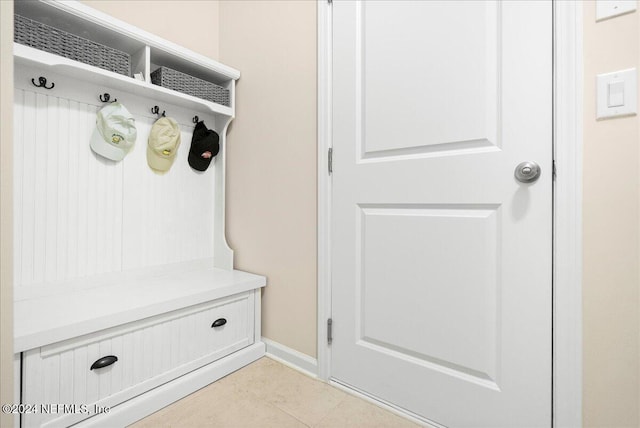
(527, 172)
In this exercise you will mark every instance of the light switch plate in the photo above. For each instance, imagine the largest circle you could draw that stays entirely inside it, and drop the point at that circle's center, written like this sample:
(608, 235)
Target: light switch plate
(609, 8)
(617, 94)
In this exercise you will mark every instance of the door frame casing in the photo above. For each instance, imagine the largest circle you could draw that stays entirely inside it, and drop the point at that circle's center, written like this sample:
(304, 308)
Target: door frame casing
(567, 212)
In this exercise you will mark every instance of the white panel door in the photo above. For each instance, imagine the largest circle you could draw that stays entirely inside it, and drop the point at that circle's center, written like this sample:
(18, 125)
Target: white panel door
(441, 259)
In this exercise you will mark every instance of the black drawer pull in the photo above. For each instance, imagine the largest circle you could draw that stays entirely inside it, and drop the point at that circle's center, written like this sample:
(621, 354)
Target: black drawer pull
(219, 322)
(104, 362)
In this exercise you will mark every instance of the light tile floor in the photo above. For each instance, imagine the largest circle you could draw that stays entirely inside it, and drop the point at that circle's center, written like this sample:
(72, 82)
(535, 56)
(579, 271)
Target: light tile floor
(269, 394)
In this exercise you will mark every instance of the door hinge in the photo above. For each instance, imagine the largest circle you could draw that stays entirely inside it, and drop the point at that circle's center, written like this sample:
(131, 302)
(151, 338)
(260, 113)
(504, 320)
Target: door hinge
(330, 157)
(329, 331)
(553, 170)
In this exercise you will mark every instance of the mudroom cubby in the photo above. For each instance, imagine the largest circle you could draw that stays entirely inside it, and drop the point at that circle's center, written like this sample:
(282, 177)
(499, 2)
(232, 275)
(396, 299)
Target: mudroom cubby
(125, 292)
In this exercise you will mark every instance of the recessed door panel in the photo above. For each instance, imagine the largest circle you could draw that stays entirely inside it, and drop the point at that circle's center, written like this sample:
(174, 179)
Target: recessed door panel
(427, 71)
(439, 264)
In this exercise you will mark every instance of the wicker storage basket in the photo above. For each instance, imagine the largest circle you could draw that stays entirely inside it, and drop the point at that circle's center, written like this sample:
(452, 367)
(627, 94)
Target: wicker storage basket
(49, 39)
(190, 85)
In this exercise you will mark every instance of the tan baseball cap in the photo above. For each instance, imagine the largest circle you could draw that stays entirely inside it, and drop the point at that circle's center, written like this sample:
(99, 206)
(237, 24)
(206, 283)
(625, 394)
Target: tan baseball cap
(115, 132)
(164, 140)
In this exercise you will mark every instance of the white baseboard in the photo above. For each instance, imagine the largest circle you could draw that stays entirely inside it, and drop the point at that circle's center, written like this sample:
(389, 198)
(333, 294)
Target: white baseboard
(291, 358)
(143, 405)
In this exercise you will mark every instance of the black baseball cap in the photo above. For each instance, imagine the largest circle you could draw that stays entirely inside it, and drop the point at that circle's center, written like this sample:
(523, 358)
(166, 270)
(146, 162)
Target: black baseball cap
(204, 147)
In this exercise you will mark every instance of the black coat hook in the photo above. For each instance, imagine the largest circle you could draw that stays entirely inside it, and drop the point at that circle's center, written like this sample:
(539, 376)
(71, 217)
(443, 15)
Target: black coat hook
(106, 98)
(156, 110)
(43, 83)
(196, 119)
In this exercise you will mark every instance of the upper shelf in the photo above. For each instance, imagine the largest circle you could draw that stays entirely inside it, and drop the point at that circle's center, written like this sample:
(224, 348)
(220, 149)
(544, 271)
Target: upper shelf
(146, 50)
(84, 21)
(30, 56)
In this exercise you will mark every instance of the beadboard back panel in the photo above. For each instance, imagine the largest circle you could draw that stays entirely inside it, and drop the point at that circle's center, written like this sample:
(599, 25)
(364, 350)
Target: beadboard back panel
(77, 214)
(166, 218)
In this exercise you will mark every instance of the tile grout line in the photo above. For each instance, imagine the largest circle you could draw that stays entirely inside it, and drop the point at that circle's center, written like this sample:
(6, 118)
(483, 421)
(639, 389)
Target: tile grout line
(257, 398)
(287, 413)
(285, 404)
(324, 416)
(302, 375)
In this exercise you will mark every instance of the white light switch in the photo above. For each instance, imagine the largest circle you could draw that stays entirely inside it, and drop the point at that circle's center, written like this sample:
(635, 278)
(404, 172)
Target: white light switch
(617, 94)
(610, 8)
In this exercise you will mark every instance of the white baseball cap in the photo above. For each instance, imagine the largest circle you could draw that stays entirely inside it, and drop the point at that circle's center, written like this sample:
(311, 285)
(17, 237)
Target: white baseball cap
(115, 132)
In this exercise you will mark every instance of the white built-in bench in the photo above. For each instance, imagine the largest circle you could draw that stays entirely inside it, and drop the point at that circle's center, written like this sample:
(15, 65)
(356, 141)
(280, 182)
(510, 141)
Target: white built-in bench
(160, 325)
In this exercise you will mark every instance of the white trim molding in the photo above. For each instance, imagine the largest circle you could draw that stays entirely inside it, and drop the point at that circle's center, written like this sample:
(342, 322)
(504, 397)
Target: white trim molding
(291, 358)
(324, 185)
(567, 257)
(567, 276)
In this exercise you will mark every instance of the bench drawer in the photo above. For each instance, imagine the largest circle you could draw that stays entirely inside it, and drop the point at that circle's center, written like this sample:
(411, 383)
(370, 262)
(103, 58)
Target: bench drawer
(131, 359)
